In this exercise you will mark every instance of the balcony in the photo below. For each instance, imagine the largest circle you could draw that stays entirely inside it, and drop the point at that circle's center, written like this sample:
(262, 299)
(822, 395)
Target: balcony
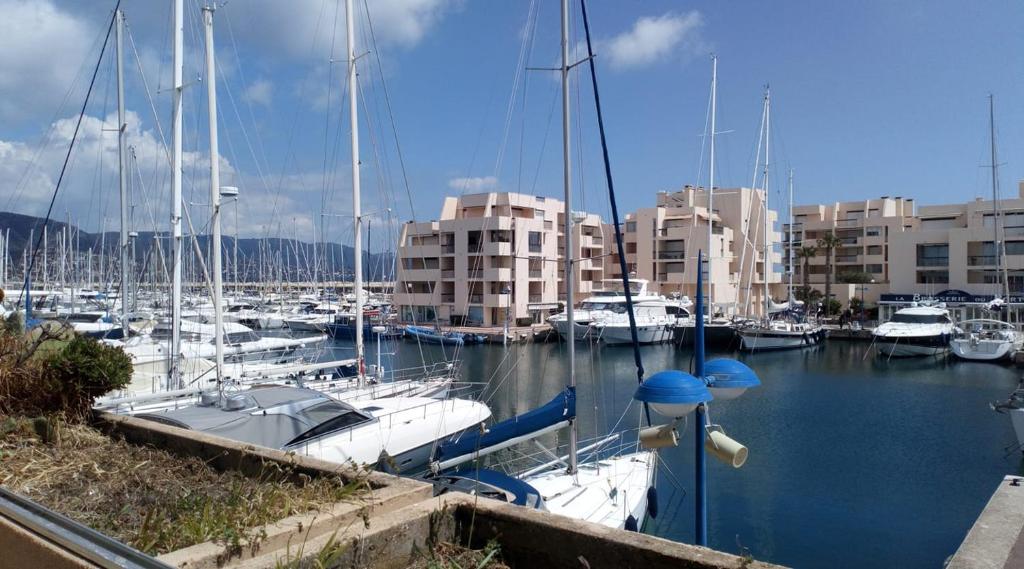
(448, 274)
(448, 298)
(500, 300)
(933, 261)
(672, 255)
(496, 249)
(448, 249)
(476, 299)
(847, 258)
(535, 298)
(849, 222)
(535, 274)
(975, 260)
(848, 241)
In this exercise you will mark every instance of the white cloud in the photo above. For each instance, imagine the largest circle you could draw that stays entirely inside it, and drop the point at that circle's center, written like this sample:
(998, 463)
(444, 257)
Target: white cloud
(476, 184)
(43, 49)
(654, 38)
(260, 92)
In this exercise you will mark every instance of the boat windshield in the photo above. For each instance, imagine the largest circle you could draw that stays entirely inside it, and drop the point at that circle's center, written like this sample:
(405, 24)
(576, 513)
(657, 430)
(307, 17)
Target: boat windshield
(594, 306)
(921, 318)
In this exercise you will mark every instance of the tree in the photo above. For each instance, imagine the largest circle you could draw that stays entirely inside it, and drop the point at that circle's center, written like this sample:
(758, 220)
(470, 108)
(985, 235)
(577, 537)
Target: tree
(854, 277)
(828, 242)
(806, 253)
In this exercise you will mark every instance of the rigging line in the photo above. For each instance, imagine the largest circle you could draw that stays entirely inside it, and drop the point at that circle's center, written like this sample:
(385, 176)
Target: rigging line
(637, 359)
(67, 158)
(530, 30)
(516, 80)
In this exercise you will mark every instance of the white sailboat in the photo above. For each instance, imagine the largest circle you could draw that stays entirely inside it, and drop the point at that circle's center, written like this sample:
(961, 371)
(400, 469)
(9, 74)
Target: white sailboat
(609, 490)
(782, 327)
(990, 339)
(314, 422)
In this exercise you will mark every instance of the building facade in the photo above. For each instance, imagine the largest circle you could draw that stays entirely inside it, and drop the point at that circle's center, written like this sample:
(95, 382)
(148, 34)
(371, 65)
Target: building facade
(494, 258)
(661, 245)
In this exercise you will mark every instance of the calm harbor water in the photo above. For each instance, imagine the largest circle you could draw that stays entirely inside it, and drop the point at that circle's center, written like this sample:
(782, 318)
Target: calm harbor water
(854, 461)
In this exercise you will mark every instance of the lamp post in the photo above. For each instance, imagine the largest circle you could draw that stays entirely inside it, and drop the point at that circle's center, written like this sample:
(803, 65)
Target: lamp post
(675, 394)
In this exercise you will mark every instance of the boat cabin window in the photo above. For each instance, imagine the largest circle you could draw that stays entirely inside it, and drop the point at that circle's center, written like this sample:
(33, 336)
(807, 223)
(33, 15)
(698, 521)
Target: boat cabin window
(331, 416)
(594, 306)
(240, 337)
(921, 318)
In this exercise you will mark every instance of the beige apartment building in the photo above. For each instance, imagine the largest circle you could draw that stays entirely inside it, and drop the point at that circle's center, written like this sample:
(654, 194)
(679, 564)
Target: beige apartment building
(493, 258)
(865, 229)
(661, 245)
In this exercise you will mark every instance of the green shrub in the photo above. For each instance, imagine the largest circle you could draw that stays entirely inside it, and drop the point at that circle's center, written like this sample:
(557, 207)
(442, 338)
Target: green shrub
(45, 374)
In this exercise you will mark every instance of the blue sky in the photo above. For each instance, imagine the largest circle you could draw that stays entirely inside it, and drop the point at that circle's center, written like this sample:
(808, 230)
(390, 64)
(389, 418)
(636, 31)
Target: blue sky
(869, 98)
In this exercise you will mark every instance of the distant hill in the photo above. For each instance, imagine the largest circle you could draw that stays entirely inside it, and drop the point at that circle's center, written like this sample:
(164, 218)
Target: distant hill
(274, 254)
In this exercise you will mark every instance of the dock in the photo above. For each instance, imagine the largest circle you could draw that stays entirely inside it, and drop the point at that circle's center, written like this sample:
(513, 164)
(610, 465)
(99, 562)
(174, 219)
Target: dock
(997, 538)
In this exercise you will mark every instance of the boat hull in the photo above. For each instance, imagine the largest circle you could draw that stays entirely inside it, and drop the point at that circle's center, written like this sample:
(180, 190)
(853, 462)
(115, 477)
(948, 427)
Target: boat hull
(718, 336)
(582, 330)
(906, 347)
(982, 351)
(758, 340)
(621, 335)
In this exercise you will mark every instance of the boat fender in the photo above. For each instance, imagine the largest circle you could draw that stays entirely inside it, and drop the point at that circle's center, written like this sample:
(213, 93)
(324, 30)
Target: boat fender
(652, 502)
(631, 524)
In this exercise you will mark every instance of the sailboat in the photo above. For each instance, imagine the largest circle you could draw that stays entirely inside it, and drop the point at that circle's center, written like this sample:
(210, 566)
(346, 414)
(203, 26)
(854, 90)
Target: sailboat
(313, 422)
(783, 327)
(719, 331)
(987, 339)
(609, 490)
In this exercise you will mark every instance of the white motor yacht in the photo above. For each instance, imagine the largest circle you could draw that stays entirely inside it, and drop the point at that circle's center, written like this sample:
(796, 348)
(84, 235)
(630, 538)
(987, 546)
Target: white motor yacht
(316, 320)
(920, 330)
(654, 324)
(602, 305)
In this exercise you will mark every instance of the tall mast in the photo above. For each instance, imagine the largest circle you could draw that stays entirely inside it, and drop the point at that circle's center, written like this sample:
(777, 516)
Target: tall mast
(711, 182)
(353, 111)
(122, 171)
(567, 185)
(791, 220)
(218, 279)
(176, 192)
(995, 195)
(767, 144)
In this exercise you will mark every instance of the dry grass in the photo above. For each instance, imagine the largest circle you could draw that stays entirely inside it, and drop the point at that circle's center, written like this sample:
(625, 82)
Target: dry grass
(446, 555)
(155, 501)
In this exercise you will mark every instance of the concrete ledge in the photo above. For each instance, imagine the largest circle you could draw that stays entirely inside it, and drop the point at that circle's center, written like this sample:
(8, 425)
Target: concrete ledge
(994, 541)
(531, 538)
(23, 548)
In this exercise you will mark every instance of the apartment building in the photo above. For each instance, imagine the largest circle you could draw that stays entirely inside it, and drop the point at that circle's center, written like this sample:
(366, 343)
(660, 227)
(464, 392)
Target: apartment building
(661, 245)
(494, 258)
(865, 230)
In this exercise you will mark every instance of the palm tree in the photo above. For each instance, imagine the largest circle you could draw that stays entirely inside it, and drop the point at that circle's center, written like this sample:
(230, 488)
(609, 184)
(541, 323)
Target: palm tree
(807, 253)
(828, 242)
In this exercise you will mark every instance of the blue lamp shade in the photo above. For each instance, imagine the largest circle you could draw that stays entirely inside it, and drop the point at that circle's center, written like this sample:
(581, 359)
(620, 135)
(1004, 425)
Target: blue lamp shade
(672, 393)
(728, 379)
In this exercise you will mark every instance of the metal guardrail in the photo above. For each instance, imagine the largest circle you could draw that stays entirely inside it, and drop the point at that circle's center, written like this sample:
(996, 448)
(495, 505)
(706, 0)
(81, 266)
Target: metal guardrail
(73, 536)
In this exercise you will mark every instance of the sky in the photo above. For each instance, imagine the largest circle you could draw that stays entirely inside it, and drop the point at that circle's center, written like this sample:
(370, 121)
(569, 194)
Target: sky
(869, 98)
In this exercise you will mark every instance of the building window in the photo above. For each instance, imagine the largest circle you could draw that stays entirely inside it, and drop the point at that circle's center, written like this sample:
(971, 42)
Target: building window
(873, 269)
(630, 227)
(873, 231)
(535, 241)
(932, 277)
(538, 214)
(1015, 247)
(874, 249)
(933, 255)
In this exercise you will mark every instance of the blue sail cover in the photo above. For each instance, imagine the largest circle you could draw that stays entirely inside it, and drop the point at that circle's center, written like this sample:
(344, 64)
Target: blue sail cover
(561, 408)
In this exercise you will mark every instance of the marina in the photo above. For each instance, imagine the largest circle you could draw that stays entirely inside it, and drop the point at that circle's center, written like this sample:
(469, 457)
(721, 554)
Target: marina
(624, 328)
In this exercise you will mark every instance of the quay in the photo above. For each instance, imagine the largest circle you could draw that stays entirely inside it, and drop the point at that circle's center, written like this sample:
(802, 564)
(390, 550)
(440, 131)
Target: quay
(996, 540)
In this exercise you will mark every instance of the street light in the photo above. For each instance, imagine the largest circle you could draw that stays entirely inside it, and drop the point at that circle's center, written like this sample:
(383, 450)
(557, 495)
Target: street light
(676, 393)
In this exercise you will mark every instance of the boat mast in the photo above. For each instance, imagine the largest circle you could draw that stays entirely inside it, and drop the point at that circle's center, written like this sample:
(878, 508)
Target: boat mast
(569, 276)
(995, 199)
(218, 279)
(122, 169)
(711, 183)
(765, 258)
(176, 123)
(790, 295)
(353, 111)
